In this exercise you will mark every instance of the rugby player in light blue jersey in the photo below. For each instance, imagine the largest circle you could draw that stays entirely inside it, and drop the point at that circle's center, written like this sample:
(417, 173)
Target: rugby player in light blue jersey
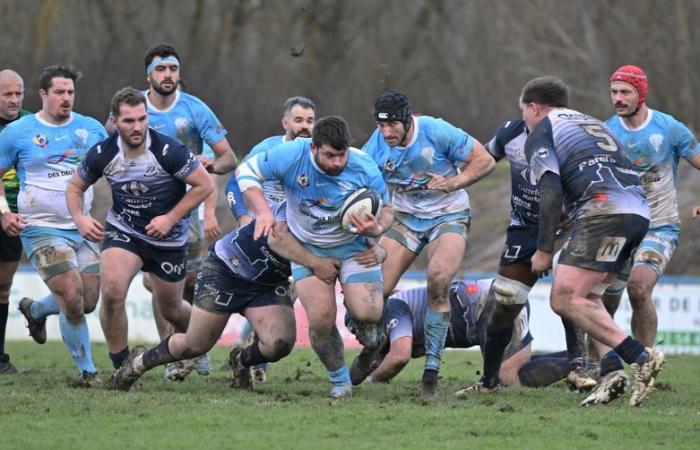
(318, 175)
(241, 275)
(654, 142)
(427, 163)
(577, 163)
(471, 309)
(190, 121)
(46, 148)
(147, 226)
(297, 120)
(298, 117)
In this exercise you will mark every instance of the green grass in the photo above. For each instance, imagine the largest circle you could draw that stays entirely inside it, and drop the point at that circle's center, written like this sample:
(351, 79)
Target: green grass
(38, 410)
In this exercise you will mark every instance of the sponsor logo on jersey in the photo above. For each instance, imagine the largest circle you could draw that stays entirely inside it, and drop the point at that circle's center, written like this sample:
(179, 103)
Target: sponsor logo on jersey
(41, 140)
(65, 157)
(303, 180)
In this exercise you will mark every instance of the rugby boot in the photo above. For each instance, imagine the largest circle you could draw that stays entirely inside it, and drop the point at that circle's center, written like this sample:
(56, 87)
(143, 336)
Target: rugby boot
(476, 389)
(241, 378)
(364, 364)
(87, 380)
(341, 391)
(644, 375)
(578, 380)
(125, 376)
(429, 385)
(178, 370)
(202, 365)
(37, 328)
(611, 386)
(259, 373)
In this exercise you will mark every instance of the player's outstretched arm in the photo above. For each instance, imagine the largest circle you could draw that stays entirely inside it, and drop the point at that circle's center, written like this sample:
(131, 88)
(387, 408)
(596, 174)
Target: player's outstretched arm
(282, 242)
(393, 363)
(88, 227)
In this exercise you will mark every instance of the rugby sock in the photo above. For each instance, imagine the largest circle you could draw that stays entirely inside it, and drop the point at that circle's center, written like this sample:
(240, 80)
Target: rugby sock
(436, 327)
(572, 349)
(543, 371)
(77, 340)
(3, 326)
(631, 350)
(158, 355)
(498, 334)
(340, 376)
(251, 355)
(119, 357)
(610, 362)
(44, 307)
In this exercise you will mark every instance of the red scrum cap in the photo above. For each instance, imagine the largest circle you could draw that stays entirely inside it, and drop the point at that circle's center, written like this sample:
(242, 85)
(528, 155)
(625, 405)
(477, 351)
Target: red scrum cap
(635, 77)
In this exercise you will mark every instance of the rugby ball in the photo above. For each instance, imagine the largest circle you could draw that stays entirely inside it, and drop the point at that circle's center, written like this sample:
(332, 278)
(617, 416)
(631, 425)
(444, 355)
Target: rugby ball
(363, 202)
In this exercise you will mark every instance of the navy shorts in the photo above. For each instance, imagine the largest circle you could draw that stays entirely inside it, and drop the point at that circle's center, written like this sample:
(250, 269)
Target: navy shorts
(167, 263)
(10, 247)
(603, 243)
(219, 290)
(521, 244)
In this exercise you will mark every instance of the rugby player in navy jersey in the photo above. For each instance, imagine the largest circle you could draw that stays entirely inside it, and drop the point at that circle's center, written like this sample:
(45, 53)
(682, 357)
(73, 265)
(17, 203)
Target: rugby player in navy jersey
(146, 228)
(241, 275)
(577, 163)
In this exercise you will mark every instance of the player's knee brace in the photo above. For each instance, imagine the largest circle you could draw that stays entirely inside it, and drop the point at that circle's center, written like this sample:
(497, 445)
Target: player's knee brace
(510, 292)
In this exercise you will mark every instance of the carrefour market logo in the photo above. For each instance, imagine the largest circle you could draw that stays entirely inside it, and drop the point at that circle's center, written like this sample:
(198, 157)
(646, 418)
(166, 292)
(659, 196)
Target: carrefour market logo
(41, 140)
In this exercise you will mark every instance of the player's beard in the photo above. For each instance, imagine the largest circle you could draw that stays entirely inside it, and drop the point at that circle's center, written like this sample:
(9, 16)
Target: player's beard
(627, 115)
(162, 91)
(303, 133)
(328, 170)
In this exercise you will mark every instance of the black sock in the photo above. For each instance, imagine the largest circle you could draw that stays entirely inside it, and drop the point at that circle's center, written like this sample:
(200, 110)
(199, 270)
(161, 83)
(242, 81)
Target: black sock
(573, 352)
(119, 357)
(543, 371)
(610, 362)
(158, 355)
(630, 350)
(251, 356)
(561, 354)
(498, 334)
(3, 325)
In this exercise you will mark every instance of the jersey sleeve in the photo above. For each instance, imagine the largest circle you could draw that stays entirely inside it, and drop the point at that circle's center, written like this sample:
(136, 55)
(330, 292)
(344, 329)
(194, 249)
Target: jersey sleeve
(685, 142)
(456, 142)
(8, 155)
(92, 167)
(179, 162)
(539, 149)
(210, 129)
(270, 165)
(505, 133)
(234, 198)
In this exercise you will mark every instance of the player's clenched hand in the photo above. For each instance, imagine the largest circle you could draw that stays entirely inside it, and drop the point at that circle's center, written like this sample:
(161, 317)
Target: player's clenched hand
(90, 229)
(159, 226)
(695, 212)
(13, 223)
(365, 224)
(371, 257)
(326, 270)
(211, 227)
(541, 263)
(263, 225)
(208, 163)
(438, 183)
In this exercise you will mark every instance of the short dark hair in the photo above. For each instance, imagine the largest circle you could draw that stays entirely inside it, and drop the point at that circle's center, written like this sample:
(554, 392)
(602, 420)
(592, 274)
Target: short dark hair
(163, 50)
(59, 70)
(548, 91)
(298, 100)
(128, 96)
(333, 131)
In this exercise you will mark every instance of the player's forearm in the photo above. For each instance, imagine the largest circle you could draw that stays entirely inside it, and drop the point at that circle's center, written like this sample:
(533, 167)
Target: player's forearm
(551, 199)
(287, 246)
(224, 158)
(75, 201)
(388, 368)
(256, 200)
(210, 201)
(385, 219)
(480, 164)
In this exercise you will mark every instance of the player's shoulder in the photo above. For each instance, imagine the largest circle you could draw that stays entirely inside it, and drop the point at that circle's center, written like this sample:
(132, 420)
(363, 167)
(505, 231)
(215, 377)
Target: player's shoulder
(104, 151)
(664, 120)
(510, 129)
(266, 144)
(161, 142)
(192, 101)
(81, 120)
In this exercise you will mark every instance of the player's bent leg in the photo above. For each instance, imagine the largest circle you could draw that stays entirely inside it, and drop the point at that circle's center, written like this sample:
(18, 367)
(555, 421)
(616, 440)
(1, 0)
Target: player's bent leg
(168, 296)
(398, 259)
(275, 328)
(365, 304)
(118, 268)
(640, 286)
(508, 374)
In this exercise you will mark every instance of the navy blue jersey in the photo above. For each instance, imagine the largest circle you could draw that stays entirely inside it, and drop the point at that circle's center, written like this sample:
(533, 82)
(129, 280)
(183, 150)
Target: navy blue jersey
(509, 142)
(144, 187)
(596, 177)
(250, 259)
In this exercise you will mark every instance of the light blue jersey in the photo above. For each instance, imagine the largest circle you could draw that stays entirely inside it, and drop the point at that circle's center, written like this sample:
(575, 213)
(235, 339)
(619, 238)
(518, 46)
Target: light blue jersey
(436, 147)
(314, 198)
(187, 120)
(46, 156)
(655, 149)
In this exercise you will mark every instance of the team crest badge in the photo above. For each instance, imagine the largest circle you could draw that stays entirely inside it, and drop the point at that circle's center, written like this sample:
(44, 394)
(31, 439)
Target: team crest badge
(41, 140)
(656, 140)
(390, 165)
(303, 180)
